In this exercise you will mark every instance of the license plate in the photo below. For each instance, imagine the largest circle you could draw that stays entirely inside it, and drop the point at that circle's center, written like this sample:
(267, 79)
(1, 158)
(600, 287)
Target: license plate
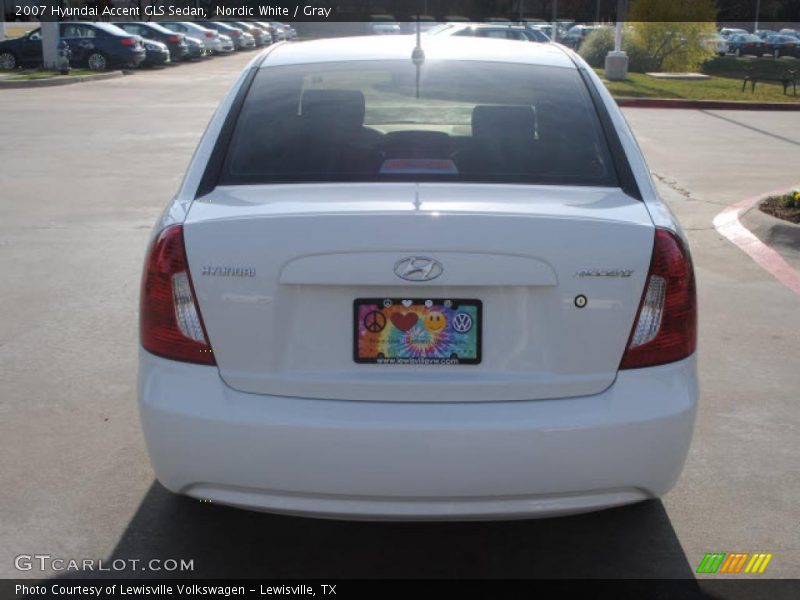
(417, 331)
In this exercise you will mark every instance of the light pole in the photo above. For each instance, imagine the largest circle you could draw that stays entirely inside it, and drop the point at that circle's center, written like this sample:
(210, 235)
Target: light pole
(554, 27)
(758, 10)
(50, 37)
(617, 61)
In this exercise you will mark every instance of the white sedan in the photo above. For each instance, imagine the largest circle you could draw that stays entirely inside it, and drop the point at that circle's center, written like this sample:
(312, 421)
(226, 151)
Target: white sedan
(439, 287)
(209, 37)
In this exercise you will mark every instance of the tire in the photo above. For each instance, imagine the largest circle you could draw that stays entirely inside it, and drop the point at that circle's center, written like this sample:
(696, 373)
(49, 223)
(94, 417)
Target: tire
(97, 61)
(8, 61)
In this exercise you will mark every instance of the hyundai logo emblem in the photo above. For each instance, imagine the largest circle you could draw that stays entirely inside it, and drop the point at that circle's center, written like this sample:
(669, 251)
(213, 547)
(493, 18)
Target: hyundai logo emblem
(418, 268)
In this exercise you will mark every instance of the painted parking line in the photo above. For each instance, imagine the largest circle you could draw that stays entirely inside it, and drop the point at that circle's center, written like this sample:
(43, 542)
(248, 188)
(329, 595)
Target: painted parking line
(727, 223)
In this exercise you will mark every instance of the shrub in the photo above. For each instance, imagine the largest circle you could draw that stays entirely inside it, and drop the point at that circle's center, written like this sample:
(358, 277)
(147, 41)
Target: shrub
(673, 36)
(639, 58)
(596, 46)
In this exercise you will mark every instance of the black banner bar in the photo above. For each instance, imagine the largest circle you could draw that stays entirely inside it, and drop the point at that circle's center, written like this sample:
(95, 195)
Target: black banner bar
(743, 11)
(690, 589)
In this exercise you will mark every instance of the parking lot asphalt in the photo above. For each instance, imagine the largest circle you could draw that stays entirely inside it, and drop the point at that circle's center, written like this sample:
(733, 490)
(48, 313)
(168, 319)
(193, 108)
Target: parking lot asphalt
(84, 172)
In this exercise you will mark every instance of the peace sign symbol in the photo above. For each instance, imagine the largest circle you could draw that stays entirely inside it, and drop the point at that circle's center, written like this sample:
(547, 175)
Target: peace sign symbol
(375, 321)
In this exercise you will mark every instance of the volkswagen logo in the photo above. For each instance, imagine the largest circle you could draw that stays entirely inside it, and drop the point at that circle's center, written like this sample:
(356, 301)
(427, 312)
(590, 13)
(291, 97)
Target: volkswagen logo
(418, 268)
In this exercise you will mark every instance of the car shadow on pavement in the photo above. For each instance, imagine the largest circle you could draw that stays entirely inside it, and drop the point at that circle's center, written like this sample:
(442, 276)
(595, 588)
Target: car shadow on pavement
(634, 541)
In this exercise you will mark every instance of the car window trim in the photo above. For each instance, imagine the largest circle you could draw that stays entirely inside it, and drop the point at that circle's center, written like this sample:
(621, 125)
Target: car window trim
(622, 167)
(213, 169)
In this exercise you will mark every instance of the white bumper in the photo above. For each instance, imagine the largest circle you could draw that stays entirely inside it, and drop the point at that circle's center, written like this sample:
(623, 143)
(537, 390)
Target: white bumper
(394, 460)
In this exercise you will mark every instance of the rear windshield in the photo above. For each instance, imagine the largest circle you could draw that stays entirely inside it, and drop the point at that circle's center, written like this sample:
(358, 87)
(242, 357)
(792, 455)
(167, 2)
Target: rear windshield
(448, 121)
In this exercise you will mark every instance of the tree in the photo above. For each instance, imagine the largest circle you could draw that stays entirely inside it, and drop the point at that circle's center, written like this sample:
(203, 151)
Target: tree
(674, 34)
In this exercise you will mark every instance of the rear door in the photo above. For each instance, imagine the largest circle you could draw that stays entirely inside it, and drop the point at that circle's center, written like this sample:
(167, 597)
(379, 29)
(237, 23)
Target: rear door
(81, 41)
(31, 48)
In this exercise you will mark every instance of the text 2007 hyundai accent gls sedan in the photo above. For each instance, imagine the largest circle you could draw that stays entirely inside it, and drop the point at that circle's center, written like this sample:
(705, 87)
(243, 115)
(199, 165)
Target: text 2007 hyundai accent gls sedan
(418, 284)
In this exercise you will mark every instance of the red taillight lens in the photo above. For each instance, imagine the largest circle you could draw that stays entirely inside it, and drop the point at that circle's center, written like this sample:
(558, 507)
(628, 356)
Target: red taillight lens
(235, 33)
(665, 329)
(128, 41)
(170, 324)
(173, 39)
(209, 34)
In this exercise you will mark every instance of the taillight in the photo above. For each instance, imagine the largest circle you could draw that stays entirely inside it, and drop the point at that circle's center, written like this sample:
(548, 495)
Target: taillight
(128, 41)
(209, 34)
(665, 329)
(235, 33)
(173, 39)
(170, 324)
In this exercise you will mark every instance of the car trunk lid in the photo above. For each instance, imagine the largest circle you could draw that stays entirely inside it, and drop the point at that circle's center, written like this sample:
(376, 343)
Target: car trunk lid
(277, 269)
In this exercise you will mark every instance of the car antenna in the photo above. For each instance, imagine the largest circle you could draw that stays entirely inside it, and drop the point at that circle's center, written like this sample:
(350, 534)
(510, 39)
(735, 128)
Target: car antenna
(418, 55)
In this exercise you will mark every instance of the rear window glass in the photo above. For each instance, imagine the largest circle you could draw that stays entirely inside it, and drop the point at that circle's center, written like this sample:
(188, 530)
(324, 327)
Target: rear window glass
(449, 121)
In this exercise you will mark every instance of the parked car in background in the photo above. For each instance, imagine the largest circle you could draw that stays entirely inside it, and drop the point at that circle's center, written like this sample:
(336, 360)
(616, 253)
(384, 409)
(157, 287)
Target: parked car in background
(782, 45)
(97, 46)
(241, 39)
(266, 35)
(385, 28)
(718, 44)
(271, 29)
(176, 42)
(792, 32)
(157, 53)
(261, 37)
(291, 32)
(226, 45)
(490, 30)
(301, 350)
(538, 34)
(575, 36)
(545, 29)
(742, 44)
(209, 37)
(197, 49)
(764, 33)
(727, 32)
(278, 31)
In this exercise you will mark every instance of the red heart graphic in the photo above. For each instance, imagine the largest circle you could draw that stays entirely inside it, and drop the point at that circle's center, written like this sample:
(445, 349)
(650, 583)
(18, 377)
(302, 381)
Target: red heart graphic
(404, 321)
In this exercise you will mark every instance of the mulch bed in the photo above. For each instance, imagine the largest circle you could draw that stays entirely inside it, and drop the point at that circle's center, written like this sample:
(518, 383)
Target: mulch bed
(777, 208)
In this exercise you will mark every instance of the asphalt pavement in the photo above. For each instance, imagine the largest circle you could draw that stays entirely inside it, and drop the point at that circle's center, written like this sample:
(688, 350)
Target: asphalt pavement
(84, 172)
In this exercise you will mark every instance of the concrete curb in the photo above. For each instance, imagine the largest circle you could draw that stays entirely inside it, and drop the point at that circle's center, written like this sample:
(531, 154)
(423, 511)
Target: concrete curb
(782, 235)
(728, 224)
(50, 82)
(705, 104)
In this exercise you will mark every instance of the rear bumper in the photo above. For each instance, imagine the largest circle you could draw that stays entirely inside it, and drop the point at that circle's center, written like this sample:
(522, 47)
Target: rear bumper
(391, 460)
(133, 59)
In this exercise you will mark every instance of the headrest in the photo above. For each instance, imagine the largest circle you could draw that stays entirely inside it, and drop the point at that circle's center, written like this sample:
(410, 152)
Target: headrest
(344, 107)
(504, 121)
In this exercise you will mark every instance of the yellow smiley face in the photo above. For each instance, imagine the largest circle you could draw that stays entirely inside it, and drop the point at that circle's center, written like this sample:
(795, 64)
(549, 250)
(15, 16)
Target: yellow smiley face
(435, 321)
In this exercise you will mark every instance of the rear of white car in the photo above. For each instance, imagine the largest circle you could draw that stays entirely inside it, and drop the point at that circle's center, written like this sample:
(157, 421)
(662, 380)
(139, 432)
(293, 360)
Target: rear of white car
(431, 288)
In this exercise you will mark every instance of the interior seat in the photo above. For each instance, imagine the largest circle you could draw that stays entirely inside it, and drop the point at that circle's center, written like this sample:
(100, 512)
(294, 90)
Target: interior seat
(504, 140)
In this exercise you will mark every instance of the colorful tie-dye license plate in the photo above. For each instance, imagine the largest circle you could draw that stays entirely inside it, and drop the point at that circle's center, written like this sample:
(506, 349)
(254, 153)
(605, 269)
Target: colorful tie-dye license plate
(414, 331)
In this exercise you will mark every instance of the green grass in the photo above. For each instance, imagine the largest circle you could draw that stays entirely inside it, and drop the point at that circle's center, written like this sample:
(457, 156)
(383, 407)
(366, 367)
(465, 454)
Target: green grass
(639, 85)
(44, 74)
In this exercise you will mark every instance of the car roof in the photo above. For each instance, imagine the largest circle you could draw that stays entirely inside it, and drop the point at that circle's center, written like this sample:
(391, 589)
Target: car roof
(399, 47)
(101, 25)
